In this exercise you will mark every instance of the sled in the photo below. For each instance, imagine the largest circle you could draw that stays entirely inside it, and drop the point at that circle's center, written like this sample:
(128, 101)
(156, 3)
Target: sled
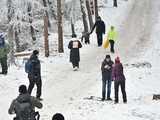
(106, 43)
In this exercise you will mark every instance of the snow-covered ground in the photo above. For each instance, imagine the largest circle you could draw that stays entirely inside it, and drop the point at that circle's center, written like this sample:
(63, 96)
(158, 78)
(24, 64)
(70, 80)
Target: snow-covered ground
(138, 23)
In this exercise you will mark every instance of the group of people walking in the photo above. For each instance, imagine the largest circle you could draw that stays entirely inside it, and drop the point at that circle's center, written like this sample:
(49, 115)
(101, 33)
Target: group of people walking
(110, 71)
(24, 105)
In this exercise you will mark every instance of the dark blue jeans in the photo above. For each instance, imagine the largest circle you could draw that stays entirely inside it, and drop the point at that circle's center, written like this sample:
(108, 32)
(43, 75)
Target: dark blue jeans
(109, 83)
(99, 39)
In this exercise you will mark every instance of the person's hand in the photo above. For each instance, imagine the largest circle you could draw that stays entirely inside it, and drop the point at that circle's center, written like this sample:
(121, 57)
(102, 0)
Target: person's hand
(107, 67)
(90, 33)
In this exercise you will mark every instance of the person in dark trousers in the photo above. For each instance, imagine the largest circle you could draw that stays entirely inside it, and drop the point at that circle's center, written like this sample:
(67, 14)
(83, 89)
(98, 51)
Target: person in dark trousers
(4, 50)
(119, 80)
(106, 69)
(112, 36)
(85, 37)
(58, 116)
(35, 75)
(24, 105)
(74, 46)
(100, 30)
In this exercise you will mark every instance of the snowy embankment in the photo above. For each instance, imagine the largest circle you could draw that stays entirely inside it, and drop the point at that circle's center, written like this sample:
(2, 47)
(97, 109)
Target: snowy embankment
(65, 91)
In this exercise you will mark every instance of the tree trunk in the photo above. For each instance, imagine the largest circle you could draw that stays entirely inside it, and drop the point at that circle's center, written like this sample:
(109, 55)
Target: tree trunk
(46, 43)
(10, 10)
(18, 49)
(11, 43)
(46, 12)
(115, 3)
(89, 14)
(85, 23)
(60, 29)
(96, 9)
(92, 7)
(32, 31)
(72, 27)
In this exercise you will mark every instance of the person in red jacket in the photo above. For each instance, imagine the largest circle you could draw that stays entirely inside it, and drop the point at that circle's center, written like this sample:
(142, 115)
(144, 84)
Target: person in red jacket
(119, 80)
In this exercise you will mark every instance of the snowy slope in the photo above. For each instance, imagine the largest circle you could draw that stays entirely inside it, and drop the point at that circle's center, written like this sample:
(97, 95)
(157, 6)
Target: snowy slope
(65, 91)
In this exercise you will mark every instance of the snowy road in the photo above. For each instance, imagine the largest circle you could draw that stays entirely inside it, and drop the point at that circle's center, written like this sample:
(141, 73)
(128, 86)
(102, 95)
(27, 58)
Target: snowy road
(64, 90)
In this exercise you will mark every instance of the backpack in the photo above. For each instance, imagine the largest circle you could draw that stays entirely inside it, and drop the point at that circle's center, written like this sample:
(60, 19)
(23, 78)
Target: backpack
(24, 111)
(29, 66)
(2, 41)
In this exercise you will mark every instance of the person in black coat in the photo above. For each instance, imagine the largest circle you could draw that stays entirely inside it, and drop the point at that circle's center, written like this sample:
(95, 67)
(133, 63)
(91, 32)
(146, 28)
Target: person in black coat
(74, 46)
(100, 30)
(35, 75)
(27, 102)
(106, 69)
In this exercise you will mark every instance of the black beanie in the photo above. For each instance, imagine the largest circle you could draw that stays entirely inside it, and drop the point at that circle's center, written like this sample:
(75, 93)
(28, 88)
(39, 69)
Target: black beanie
(22, 89)
(58, 116)
(35, 52)
(108, 56)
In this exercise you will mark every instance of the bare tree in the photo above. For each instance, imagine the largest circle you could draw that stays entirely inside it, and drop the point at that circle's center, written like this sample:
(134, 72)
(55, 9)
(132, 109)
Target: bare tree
(96, 9)
(32, 31)
(11, 43)
(60, 29)
(46, 43)
(17, 42)
(85, 23)
(10, 10)
(89, 14)
(46, 12)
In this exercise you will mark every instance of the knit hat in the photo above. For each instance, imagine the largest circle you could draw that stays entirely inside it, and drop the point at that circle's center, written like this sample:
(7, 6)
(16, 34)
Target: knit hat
(22, 89)
(117, 60)
(35, 52)
(58, 116)
(108, 56)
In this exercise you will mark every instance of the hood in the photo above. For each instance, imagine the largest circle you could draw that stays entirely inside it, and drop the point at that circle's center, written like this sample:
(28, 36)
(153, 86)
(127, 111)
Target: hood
(23, 98)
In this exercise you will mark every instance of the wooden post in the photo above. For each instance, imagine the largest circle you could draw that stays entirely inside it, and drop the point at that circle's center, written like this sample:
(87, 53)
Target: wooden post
(60, 29)
(46, 42)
